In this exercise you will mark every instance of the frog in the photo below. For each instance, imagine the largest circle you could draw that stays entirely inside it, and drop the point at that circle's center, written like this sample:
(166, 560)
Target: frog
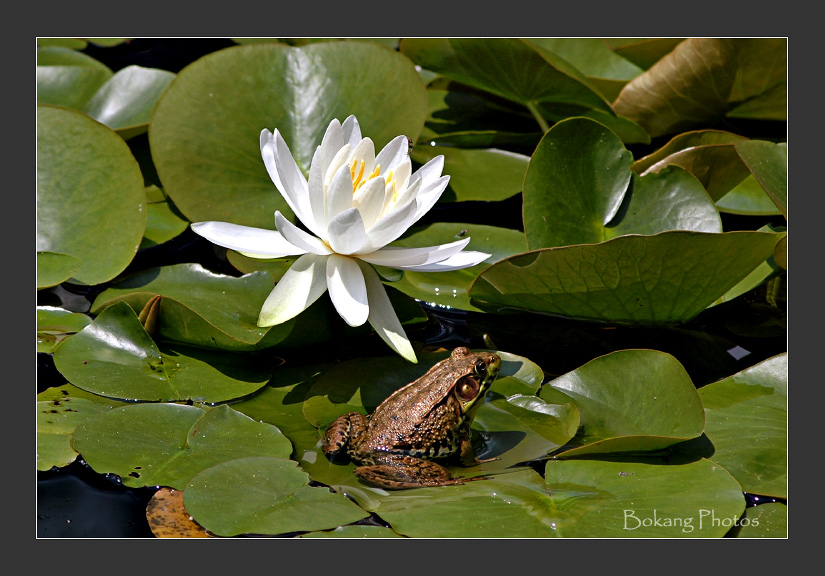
(428, 419)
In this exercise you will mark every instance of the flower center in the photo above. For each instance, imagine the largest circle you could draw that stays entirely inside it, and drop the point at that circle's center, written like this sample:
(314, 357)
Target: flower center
(356, 170)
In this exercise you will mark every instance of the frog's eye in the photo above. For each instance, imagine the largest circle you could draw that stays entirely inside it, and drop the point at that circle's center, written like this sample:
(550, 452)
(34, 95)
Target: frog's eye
(467, 388)
(481, 368)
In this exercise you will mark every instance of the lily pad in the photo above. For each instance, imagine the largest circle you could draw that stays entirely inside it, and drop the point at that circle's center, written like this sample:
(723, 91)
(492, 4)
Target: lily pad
(114, 356)
(747, 422)
(124, 103)
(760, 87)
(764, 521)
(511, 68)
(520, 429)
(216, 108)
(69, 78)
(59, 412)
(54, 268)
(687, 86)
(355, 531)
(748, 198)
(644, 52)
(91, 203)
(487, 174)
(579, 189)
(164, 222)
(666, 278)
(450, 289)
(168, 444)
(169, 519)
(264, 495)
(624, 499)
(629, 401)
(200, 307)
(55, 324)
(769, 164)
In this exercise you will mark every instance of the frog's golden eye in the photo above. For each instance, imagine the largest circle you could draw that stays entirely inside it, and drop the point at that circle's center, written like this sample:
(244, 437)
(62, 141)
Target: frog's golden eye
(481, 368)
(467, 388)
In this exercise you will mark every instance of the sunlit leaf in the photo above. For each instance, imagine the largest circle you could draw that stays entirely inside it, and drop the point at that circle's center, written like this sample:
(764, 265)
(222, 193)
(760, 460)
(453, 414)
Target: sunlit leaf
(747, 422)
(202, 308)
(661, 279)
(264, 495)
(55, 324)
(163, 220)
(629, 401)
(54, 268)
(625, 499)
(91, 203)
(59, 412)
(769, 164)
(114, 356)
(168, 444)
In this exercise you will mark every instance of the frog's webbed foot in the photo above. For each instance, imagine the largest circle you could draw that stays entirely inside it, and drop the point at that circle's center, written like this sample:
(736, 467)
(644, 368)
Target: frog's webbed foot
(398, 472)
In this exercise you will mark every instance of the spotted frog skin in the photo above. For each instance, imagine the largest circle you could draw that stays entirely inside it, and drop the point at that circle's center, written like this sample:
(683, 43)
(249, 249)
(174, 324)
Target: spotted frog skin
(425, 420)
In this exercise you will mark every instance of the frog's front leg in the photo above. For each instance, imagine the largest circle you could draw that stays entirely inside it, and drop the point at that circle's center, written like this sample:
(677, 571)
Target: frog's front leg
(342, 433)
(467, 454)
(396, 472)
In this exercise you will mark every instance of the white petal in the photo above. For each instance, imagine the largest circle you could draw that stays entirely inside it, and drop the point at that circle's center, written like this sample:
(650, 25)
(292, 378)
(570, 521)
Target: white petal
(346, 232)
(317, 198)
(401, 174)
(382, 317)
(407, 194)
(393, 154)
(270, 158)
(332, 142)
(369, 199)
(397, 257)
(364, 151)
(335, 164)
(347, 290)
(339, 193)
(427, 197)
(295, 189)
(302, 285)
(455, 262)
(389, 227)
(429, 172)
(299, 238)
(352, 131)
(257, 242)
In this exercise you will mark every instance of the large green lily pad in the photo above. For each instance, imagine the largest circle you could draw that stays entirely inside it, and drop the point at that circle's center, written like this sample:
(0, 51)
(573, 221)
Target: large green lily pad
(624, 499)
(114, 356)
(168, 444)
(59, 411)
(579, 189)
(264, 495)
(200, 307)
(91, 203)
(666, 278)
(629, 401)
(747, 422)
(163, 222)
(206, 128)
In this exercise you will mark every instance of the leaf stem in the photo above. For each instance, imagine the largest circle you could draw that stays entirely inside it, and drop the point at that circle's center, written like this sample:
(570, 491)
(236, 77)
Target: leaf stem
(537, 115)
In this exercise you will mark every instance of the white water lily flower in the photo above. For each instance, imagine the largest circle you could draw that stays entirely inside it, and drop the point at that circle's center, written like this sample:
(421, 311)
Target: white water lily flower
(354, 204)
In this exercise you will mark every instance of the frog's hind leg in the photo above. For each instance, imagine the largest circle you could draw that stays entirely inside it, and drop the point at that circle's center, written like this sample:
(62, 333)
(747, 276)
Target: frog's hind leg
(398, 472)
(342, 433)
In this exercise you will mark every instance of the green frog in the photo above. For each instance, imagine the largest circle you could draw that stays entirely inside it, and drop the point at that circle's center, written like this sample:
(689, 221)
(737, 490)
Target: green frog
(426, 420)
